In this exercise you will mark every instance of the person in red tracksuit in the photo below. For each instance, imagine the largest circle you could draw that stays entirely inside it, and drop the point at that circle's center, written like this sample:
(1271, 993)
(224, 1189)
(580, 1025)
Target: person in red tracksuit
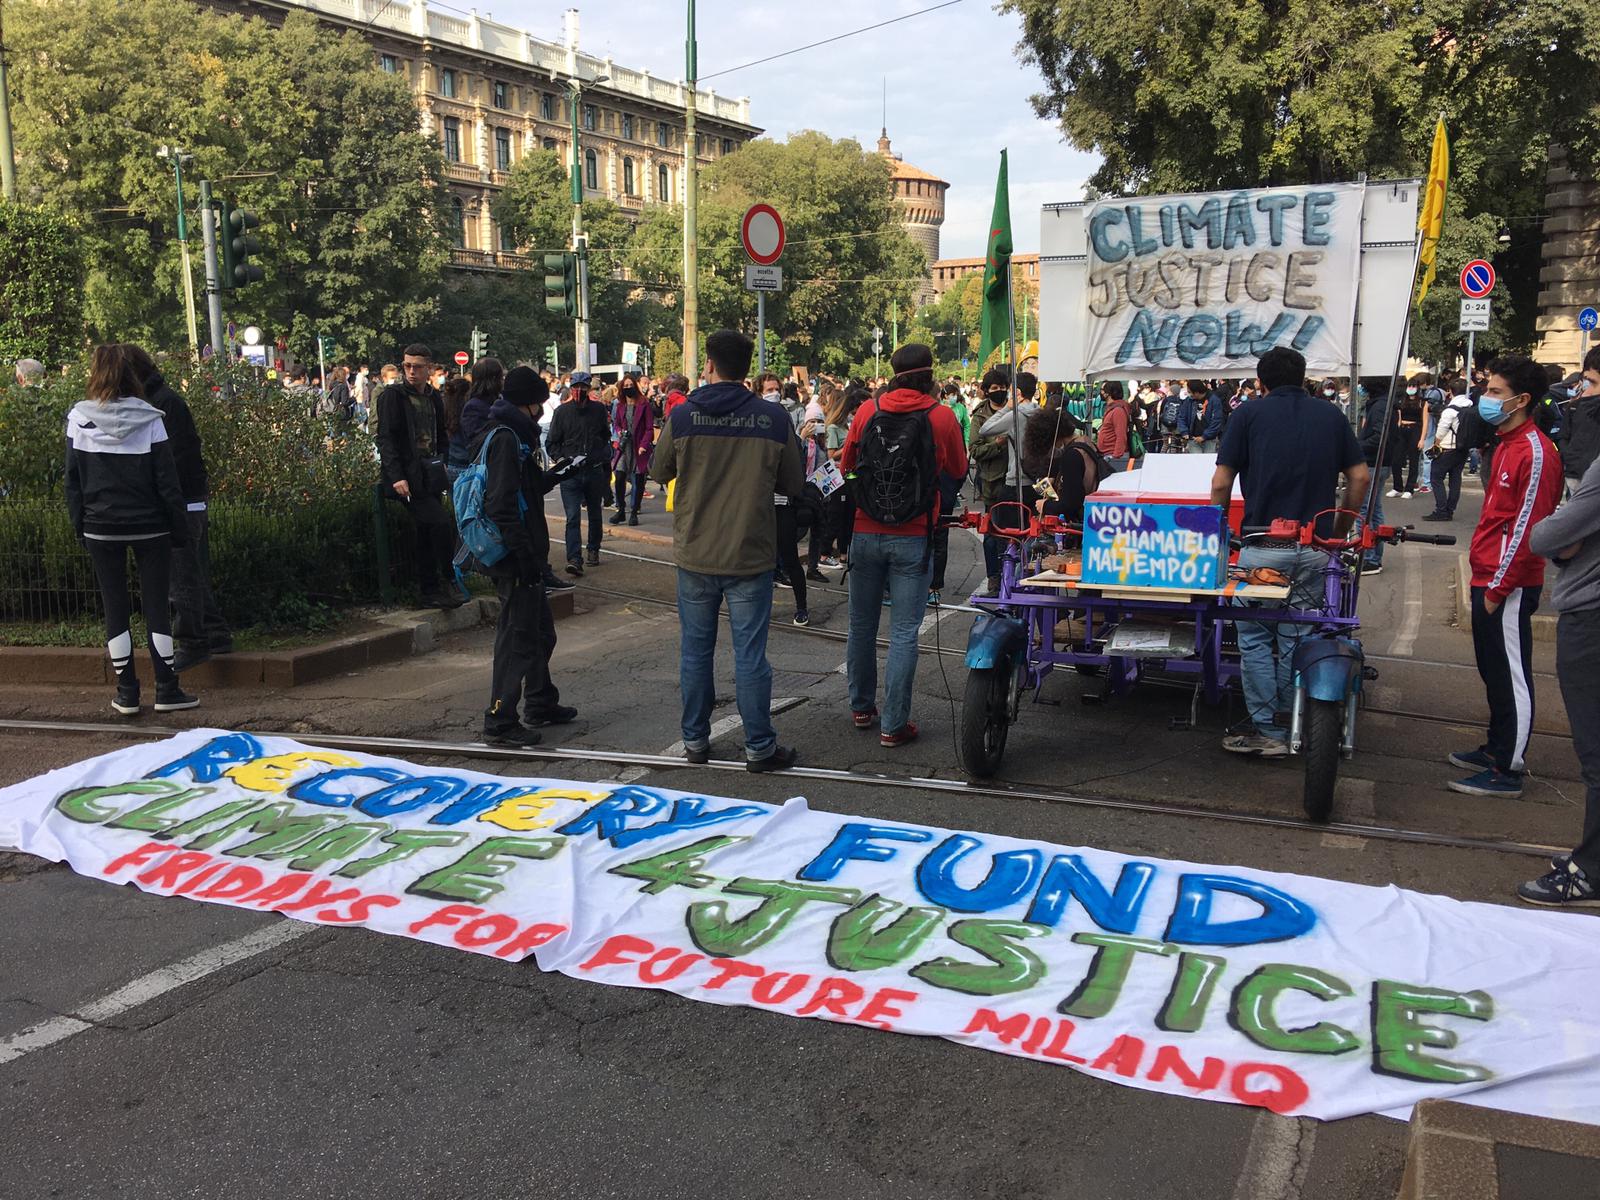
(1521, 486)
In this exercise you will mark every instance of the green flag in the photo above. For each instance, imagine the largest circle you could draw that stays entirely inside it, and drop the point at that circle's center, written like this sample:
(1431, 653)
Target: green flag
(995, 323)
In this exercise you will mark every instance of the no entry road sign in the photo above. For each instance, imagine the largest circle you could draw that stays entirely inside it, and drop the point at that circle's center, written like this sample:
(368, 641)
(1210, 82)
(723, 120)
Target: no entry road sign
(1477, 279)
(762, 234)
(462, 358)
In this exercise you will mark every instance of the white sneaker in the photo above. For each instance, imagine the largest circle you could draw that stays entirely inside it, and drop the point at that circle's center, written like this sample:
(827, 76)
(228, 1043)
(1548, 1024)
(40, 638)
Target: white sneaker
(1405, 495)
(1391, 493)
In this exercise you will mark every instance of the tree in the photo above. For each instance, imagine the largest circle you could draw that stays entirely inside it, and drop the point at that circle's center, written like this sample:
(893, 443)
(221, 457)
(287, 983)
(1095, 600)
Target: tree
(40, 286)
(320, 142)
(847, 255)
(1244, 93)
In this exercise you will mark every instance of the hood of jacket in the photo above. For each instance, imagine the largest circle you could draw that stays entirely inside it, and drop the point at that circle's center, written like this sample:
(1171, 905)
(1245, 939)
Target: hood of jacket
(110, 424)
(903, 400)
(475, 414)
(503, 412)
(721, 399)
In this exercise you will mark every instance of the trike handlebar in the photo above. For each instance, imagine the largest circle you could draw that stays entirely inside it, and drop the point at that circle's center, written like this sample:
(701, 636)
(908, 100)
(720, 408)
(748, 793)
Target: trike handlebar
(1009, 519)
(1305, 533)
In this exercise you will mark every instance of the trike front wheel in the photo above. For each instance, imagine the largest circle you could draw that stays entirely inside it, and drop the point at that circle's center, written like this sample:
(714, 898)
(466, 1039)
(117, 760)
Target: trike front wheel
(985, 720)
(1321, 739)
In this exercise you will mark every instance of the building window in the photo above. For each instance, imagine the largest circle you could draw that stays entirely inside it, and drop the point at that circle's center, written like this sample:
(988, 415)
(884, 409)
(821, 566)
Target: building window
(727, 145)
(502, 94)
(447, 83)
(590, 118)
(549, 143)
(627, 177)
(502, 149)
(663, 184)
(508, 244)
(591, 170)
(452, 139)
(388, 62)
(663, 135)
(627, 126)
(547, 106)
(458, 223)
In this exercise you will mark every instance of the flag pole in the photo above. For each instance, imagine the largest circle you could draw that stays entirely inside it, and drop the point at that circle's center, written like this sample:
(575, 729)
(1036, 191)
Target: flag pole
(1011, 353)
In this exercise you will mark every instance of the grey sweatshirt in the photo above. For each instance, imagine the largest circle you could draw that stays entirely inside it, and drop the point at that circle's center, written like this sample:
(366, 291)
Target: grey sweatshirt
(1011, 424)
(1577, 585)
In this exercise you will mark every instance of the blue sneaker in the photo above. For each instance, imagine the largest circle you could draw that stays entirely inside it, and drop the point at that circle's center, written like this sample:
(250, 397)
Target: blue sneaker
(1473, 760)
(1489, 783)
(1564, 887)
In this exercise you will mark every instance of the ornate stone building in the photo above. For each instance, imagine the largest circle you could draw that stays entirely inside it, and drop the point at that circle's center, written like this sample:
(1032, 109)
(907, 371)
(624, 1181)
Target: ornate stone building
(491, 93)
(947, 270)
(1569, 275)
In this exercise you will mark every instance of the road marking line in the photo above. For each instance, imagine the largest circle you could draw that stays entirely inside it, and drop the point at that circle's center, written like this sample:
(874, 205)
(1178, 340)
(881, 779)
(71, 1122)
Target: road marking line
(718, 728)
(1278, 1159)
(148, 987)
(1411, 622)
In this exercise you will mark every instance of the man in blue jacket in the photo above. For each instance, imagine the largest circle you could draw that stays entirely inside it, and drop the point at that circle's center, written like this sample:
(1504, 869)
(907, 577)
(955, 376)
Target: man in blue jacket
(1200, 417)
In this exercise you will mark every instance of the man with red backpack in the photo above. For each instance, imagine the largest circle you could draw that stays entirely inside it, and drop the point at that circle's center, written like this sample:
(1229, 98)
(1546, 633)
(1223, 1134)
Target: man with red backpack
(899, 448)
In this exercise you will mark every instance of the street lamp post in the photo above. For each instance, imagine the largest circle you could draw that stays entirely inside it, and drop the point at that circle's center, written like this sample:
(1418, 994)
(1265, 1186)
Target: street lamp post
(8, 165)
(580, 245)
(178, 156)
(691, 251)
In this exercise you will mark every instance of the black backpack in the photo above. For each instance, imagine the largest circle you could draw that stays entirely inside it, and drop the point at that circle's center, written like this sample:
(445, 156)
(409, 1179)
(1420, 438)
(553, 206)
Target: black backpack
(1168, 413)
(896, 476)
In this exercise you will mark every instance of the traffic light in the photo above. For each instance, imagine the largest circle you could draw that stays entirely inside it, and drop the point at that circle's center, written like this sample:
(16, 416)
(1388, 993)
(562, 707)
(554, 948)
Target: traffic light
(480, 344)
(325, 343)
(238, 244)
(561, 290)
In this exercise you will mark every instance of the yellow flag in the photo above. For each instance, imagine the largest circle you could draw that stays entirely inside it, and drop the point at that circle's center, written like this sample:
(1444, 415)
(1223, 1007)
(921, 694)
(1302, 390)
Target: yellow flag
(1431, 220)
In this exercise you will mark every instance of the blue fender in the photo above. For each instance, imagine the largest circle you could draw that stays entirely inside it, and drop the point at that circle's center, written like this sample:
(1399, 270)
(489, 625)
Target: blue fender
(1329, 668)
(995, 641)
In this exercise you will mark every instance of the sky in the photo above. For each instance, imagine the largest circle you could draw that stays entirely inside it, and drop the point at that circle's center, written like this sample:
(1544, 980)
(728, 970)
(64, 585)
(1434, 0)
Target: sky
(957, 93)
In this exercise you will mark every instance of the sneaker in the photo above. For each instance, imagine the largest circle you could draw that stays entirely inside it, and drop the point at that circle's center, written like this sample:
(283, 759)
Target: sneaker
(190, 656)
(1405, 495)
(698, 755)
(1472, 760)
(1562, 887)
(222, 646)
(991, 586)
(1372, 568)
(817, 576)
(575, 568)
(593, 558)
(933, 599)
(1489, 783)
(171, 698)
(1258, 744)
(126, 701)
(633, 518)
(780, 579)
(1391, 493)
(560, 714)
(618, 517)
(781, 759)
(516, 736)
(828, 560)
(906, 733)
(802, 618)
(864, 720)
(554, 583)
(1424, 489)
(1436, 516)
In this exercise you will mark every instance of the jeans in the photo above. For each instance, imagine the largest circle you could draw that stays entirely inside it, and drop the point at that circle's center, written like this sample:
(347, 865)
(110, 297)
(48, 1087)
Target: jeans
(1266, 649)
(1208, 446)
(901, 562)
(1578, 669)
(520, 677)
(1446, 480)
(749, 609)
(619, 486)
(578, 492)
(1373, 557)
(197, 623)
(1119, 463)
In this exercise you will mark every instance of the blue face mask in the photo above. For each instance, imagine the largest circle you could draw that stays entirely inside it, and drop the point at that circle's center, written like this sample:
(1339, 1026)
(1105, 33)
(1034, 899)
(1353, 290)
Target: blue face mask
(1492, 410)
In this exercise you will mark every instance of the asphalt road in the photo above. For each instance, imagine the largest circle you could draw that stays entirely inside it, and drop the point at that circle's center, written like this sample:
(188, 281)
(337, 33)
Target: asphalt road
(220, 1053)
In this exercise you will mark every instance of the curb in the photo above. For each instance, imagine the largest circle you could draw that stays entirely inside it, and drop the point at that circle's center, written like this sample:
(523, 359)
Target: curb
(400, 635)
(626, 533)
(1454, 1152)
(1544, 624)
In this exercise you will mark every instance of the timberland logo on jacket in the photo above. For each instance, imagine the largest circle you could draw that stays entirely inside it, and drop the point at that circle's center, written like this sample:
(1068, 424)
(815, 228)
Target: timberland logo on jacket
(761, 421)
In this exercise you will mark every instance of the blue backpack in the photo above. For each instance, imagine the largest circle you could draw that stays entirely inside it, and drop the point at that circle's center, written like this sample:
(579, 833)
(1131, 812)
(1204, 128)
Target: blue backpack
(482, 545)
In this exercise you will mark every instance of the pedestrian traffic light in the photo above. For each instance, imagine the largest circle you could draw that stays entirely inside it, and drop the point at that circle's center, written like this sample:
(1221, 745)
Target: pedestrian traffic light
(561, 290)
(237, 246)
(325, 344)
(480, 344)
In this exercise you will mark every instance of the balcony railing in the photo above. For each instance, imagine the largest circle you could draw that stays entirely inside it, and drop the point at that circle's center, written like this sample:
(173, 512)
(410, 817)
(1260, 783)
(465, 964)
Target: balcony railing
(464, 172)
(462, 257)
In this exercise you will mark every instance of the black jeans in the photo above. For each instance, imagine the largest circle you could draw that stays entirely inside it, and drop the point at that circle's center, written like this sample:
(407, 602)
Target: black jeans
(1446, 480)
(1406, 461)
(583, 490)
(197, 622)
(838, 523)
(789, 552)
(524, 639)
(1578, 668)
(153, 557)
(1502, 642)
(436, 539)
(619, 485)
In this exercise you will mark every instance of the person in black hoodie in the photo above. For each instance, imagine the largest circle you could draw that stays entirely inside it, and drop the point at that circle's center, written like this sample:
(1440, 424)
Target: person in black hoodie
(199, 629)
(582, 429)
(513, 498)
(122, 494)
(412, 443)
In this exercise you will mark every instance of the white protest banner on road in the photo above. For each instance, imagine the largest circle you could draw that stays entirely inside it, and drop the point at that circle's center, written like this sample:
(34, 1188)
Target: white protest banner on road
(1206, 284)
(1302, 995)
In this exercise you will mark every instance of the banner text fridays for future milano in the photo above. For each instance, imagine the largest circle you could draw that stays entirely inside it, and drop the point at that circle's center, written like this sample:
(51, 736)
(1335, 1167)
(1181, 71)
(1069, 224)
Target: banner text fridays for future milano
(1306, 996)
(1206, 284)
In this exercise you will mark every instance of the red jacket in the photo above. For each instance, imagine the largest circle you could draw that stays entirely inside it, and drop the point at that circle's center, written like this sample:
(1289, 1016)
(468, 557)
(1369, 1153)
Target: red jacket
(1113, 438)
(1523, 488)
(949, 448)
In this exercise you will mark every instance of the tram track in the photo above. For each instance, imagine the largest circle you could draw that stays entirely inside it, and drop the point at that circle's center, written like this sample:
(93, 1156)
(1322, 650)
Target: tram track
(990, 790)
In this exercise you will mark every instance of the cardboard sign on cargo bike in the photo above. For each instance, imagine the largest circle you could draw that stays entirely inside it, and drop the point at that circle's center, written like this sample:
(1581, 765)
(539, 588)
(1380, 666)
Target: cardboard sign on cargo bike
(1193, 286)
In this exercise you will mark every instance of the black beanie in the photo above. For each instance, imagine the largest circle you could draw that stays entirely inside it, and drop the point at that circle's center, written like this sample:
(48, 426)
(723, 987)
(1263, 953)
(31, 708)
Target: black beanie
(913, 356)
(525, 387)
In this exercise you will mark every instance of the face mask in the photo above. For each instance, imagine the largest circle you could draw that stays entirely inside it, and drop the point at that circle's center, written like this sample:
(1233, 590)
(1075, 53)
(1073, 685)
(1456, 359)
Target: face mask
(1330, 393)
(1492, 410)
(1411, 391)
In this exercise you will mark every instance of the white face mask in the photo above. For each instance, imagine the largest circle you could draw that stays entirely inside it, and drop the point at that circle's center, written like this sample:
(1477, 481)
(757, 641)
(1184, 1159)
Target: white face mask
(1329, 392)
(1411, 391)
